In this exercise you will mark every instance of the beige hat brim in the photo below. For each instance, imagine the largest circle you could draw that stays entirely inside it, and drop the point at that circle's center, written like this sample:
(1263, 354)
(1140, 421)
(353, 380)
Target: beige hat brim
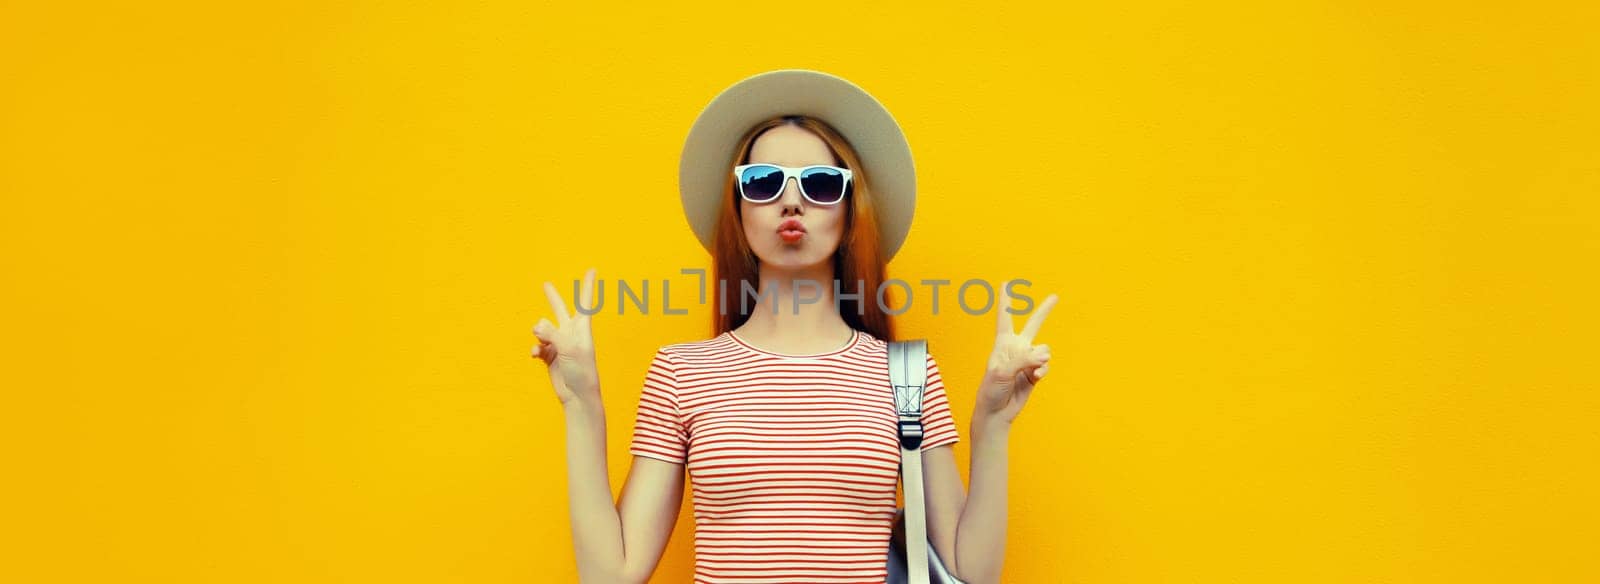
(861, 119)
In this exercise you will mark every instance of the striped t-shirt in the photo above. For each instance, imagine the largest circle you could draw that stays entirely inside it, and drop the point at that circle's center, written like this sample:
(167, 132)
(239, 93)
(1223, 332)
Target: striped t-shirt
(793, 460)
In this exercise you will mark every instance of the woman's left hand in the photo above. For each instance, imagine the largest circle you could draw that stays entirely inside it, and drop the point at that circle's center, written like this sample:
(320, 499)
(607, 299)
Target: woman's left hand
(1015, 366)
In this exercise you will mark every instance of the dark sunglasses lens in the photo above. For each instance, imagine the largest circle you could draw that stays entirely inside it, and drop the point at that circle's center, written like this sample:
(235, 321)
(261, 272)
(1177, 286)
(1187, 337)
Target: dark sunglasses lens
(761, 183)
(824, 185)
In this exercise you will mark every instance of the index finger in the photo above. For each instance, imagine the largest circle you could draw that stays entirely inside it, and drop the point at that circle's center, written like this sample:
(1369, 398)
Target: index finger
(1002, 324)
(1037, 320)
(557, 304)
(588, 291)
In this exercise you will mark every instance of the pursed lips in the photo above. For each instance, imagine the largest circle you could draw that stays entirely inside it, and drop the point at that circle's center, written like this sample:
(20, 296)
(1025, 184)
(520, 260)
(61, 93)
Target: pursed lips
(791, 230)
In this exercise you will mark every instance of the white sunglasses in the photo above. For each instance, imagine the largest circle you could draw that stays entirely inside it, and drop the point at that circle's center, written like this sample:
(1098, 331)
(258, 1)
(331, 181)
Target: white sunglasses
(821, 184)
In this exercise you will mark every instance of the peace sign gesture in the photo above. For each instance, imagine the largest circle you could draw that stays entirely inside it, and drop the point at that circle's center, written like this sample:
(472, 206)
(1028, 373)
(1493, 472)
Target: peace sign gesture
(1016, 365)
(567, 348)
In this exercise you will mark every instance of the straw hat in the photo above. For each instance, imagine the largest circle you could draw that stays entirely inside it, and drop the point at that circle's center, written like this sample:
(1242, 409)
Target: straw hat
(709, 150)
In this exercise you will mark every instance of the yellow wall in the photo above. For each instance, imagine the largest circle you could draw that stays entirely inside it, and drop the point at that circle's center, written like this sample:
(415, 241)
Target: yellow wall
(1327, 274)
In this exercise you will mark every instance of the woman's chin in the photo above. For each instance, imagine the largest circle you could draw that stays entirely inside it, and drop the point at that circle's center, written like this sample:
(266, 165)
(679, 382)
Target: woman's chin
(792, 257)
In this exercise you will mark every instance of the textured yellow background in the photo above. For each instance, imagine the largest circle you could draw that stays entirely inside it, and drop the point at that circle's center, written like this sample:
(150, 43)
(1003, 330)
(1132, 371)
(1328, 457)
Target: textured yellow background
(1327, 274)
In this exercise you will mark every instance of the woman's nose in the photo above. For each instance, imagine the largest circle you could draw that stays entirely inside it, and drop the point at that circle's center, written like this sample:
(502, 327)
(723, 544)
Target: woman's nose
(791, 197)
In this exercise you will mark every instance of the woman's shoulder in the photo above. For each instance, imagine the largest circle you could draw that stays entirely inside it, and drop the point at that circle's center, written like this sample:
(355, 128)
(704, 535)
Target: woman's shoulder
(692, 350)
(871, 342)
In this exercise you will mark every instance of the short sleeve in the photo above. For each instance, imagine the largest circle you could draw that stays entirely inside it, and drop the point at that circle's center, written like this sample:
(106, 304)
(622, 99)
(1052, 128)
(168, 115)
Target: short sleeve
(658, 428)
(938, 426)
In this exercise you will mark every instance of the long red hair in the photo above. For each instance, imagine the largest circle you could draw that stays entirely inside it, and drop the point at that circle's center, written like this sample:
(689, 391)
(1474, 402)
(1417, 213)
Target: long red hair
(859, 256)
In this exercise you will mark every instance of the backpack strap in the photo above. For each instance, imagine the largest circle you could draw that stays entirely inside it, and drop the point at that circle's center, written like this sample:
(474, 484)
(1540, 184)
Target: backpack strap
(908, 373)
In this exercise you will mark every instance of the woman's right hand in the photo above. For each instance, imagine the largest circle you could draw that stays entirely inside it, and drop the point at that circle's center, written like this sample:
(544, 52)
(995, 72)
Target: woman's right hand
(567, 348)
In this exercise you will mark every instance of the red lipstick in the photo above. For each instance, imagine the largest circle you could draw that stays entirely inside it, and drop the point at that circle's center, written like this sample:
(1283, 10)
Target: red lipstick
(791, 230)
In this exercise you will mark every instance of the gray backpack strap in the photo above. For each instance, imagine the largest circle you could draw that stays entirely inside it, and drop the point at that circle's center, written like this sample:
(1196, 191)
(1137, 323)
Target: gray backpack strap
(908, 372)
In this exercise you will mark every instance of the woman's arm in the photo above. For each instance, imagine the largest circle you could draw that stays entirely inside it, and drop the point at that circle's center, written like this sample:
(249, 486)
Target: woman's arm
(969, 530)
(613, 542)
(622, 542)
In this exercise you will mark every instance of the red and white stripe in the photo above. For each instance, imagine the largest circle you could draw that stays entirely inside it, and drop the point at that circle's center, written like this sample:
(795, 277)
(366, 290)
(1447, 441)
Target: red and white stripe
(793, 460)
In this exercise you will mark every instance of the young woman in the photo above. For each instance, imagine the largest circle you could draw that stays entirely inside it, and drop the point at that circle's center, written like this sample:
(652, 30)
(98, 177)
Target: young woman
(784, 420)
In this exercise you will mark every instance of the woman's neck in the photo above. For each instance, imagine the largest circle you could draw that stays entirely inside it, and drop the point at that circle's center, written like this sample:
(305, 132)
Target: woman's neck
(783, 322)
